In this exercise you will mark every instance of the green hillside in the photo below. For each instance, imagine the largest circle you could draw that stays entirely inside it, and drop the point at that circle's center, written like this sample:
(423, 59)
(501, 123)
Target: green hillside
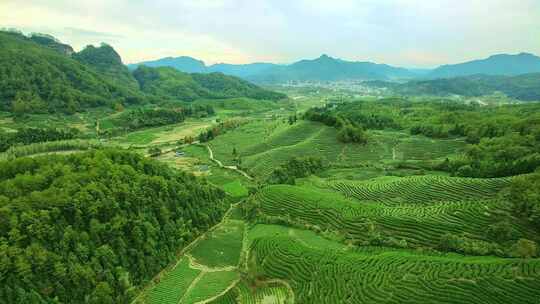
(166, 82)
(41, 75)
(108, 63)
(38, 79)
(378, 276)
(408, 224)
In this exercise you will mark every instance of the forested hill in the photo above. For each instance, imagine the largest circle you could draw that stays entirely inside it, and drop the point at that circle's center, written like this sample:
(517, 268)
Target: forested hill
(524, 87)
(169, 83)
(39, 78)
(92, 227)
(39, 74)
(108, 62)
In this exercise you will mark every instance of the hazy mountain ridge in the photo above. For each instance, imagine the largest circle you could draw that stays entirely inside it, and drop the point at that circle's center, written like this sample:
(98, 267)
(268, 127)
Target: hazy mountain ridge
(183, 63)
(501, 64)
(326, 68)
(192, 65)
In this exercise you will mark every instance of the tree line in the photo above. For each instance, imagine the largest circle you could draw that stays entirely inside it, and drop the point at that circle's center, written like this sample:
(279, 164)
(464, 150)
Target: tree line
(296, 167)
(349, 131)
(25, 136)
(220, 128)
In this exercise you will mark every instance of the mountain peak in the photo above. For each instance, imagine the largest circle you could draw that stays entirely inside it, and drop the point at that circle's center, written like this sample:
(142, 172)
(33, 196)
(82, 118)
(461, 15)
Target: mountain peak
(325, 57)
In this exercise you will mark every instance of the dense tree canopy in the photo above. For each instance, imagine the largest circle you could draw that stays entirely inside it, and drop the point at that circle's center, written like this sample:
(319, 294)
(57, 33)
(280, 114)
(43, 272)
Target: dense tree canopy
(92, 227)
(294, 168)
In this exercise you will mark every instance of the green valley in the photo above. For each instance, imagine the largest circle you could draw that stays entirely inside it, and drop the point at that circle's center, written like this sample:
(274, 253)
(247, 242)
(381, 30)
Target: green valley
(153, 185)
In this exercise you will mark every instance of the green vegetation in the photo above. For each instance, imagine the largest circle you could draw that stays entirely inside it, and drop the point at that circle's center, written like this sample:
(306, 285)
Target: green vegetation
(96, 224)
(522, 87)
(422, 189)
(295, 168)
(172, 287)
(407, 225)
(210, 284)
(322, 276)
(38, 79)
(169, 83)
(273, 293)
(107, 61)
(41, 75)
(523, 195)
(504, 140)
(235, 189)
(27, 136)
(221, 247)
(46, 147)
(227, 192)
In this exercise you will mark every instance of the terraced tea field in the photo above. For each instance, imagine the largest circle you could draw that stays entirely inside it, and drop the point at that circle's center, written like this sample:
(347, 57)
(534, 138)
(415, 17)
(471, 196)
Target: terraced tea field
(411, 224)
(174, 285)
(264, 145)
(420, 189)
(270, 293)
(354, 233)
(326, 276)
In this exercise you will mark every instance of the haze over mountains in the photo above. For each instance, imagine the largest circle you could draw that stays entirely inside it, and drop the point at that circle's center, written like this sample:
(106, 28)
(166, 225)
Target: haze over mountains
(326, 68)
(67, 81)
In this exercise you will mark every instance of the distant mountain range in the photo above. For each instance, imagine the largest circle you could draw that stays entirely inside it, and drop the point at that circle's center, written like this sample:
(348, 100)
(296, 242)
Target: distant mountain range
(502, 64)
(192, 65)
(326, 68)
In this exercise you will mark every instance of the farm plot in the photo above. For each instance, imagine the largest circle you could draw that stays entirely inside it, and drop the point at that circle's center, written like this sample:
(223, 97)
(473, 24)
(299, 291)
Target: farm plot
(174, 285)
(268, 293)
(305, 237)
(220, 247)
(210, 285)
(420, 189)
(415, 225)
(324, 276)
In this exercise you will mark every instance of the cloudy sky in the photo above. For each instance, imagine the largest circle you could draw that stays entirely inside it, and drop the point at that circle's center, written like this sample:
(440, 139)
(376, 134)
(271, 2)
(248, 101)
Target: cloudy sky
(410, 33)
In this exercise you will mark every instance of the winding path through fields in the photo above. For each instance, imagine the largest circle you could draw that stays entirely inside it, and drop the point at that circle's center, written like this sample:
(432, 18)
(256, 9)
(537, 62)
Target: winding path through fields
(234, 168)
